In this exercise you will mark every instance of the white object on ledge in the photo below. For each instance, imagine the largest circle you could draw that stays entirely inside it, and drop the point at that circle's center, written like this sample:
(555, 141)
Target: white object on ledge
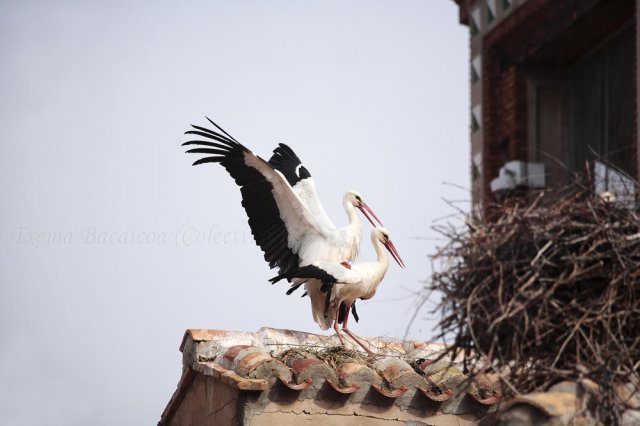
(519, 173)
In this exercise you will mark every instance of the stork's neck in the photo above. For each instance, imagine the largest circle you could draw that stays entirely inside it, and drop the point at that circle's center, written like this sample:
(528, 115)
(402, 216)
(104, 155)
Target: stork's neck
(352, 214)
(381, 252)
(353, 231)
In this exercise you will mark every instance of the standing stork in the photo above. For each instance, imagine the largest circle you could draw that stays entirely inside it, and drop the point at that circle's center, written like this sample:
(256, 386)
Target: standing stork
(285, 216)
(342, 286)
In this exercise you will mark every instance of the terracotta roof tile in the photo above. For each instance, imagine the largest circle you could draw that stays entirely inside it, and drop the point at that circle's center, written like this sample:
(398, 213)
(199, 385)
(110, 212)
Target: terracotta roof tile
(230, 377)
(402, 371)
(405, 374)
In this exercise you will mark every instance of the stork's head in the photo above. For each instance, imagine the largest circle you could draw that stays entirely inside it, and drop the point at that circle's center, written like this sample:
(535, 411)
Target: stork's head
(381, 234)
(355, 199)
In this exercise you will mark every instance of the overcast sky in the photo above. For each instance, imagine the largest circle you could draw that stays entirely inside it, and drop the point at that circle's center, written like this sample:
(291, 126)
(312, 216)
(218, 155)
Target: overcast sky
(112, 245)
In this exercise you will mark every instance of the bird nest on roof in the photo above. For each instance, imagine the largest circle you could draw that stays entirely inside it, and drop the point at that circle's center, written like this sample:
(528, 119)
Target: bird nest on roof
(546, 292)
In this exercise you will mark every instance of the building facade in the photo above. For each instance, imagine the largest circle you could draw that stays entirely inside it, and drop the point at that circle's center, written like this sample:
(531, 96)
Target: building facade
(553, 86)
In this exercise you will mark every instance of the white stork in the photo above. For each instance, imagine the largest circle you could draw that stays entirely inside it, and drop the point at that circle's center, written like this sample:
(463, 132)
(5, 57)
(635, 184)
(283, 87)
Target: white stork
(286, 218)
(341, 285)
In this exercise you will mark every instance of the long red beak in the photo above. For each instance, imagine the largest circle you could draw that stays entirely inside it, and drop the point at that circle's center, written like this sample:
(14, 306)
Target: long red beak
(366, 211)
(392, 249)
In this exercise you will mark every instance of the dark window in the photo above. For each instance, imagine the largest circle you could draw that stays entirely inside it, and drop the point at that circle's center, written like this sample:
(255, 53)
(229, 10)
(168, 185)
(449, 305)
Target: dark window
(601, 100)
(549, 148)
(585, 113)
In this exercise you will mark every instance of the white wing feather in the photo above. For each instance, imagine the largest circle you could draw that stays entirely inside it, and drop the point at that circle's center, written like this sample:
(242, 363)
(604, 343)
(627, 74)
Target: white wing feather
(306, 191)
(303, 228)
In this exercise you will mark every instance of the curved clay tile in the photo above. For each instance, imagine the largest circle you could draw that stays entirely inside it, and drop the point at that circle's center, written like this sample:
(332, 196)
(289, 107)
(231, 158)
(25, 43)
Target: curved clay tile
(232, 352)
(230, 377)
(253, 362)
(434, 396)
(395, 393)
(249, 361)
(297, 386)
(299, 366)
(312, 368)
(352, 373)
(344, 390)
(442, 374)
(398, 374)
(228, 357)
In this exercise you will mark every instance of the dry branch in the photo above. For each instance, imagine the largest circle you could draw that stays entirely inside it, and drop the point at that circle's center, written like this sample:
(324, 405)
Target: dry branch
(546, 293)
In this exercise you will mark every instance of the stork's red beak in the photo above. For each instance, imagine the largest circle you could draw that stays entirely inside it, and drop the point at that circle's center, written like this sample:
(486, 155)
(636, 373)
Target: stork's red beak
(368, 213)
(392, 249)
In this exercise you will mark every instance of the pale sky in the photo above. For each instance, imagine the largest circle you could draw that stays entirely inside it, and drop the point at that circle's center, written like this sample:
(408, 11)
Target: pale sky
(112, 245)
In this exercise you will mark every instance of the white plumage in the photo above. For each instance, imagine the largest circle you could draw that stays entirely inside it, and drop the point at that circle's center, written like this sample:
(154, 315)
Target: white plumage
(293, 230)
(334, 288)
(286, 217)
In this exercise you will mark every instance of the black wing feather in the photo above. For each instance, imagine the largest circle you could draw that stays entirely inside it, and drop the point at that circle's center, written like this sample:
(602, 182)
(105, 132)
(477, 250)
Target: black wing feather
(211, 135)
(287, 162)
(204, 143)
(206, 160)
(267, 227)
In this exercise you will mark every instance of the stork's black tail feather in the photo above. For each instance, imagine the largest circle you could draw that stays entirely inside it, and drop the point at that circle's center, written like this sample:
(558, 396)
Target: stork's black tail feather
(343, 311)
(294, 288)
(308, 272)
(276, 279)
(353, 311)
(327, 302)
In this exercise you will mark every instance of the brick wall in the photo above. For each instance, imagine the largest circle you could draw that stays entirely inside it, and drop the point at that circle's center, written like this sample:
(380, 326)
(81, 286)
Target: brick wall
(505, 90)
(505, 120)
(540, 36)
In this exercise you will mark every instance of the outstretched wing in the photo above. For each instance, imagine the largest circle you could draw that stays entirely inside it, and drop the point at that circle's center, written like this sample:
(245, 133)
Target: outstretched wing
(279, 221)
(287, 162)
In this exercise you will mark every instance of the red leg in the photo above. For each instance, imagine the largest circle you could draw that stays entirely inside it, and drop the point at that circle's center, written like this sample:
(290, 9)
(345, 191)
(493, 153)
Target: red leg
(345, 328)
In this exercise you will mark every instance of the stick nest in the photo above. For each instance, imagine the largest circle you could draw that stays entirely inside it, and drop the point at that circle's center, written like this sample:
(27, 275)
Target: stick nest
(546, 294)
